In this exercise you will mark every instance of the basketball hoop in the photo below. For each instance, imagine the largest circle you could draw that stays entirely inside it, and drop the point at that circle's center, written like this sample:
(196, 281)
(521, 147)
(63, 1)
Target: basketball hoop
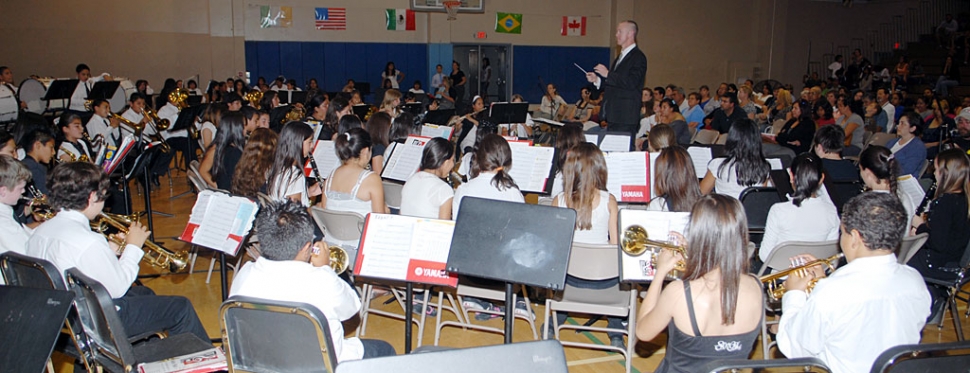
(452, 8)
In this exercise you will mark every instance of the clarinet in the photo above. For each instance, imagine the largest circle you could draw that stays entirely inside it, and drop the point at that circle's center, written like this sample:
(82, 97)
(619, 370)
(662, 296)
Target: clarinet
(926, 199)
(316, 171)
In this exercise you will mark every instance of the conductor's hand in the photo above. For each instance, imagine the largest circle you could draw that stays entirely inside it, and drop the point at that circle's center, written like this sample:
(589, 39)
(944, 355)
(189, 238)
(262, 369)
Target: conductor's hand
(320, 257)
(137, 234)
(591, 77)
(602, 70)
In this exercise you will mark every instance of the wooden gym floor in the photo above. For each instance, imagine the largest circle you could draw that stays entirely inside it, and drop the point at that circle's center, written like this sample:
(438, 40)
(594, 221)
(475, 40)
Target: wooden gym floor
(207, 298)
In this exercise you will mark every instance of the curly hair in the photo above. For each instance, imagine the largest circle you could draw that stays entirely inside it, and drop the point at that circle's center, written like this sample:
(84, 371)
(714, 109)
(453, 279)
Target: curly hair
(70, 184)
(255, 163)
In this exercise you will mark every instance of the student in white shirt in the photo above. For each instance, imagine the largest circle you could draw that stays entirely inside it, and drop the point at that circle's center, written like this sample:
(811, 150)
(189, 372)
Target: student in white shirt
(425, 194)
(77, 192)
(84, 86)
(109, 130)
(72, 145)
(286, 178)
(745, 165)
(193, 88)
(489, 174)
(136, 114)
(863, 308)
(438, 78)
(291, 268)
(392, 74)
(13, 179)
(808, 217)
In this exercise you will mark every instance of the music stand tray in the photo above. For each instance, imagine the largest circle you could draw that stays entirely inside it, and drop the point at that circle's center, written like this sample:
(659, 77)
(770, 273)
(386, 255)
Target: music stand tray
(104, 90)
(415, 108)
(298, 97)
(509, 112)
(439, 117)
(61, 89)
(361, 111)
(363, 88)
(32, 322)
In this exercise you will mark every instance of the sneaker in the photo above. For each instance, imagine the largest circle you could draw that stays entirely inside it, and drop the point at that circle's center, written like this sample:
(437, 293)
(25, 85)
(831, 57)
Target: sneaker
(617, 341)
(522, 310)
(481, 316)
(552, 330)
(416, 308)
(472, 304)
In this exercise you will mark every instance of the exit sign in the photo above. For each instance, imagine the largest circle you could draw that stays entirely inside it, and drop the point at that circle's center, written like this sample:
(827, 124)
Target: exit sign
(481, 35)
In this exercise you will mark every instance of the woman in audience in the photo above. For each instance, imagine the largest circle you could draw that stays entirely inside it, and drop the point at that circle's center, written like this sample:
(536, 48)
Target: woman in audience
(227, 149)
(745, 103)
(489, 174)
(908, 149)
(379, 129)
(583, 109)
(808, 216)
(425, 195)
(745, 165)
(570, 135)
(728, 303)
(675, 182)
(798, 132)
(552, 105)
(255, 164)
(823, 115)
(661, 137)
(850, 119)
(870, 121)
(937, 127)
(923, 107)
(286, 178)
(646, 103)
(879, 170)
(647, 124)
(670, 115)
(947, 223)
(392, 74)
(782, 106)
(351, 187)
(458, 82)
(446, 94)
(392, 99)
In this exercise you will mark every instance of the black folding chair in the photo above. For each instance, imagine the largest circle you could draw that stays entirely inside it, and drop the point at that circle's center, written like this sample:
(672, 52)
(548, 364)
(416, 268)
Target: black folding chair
(756, 202)
(805, 364)
(260, 335)
(924, 358)
(953, 287)
(106, 335)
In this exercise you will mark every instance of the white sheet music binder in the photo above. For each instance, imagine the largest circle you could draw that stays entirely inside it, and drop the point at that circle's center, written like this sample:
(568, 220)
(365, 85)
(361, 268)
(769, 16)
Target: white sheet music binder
(325, 153)
(658, 224)
(404, 159)
(531, 166)
(629, 176)
(405, 248)
(220, 221)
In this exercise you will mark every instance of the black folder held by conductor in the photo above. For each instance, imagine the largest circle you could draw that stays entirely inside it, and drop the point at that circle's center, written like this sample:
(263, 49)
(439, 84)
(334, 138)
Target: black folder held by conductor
(32, 321)
(516, 243)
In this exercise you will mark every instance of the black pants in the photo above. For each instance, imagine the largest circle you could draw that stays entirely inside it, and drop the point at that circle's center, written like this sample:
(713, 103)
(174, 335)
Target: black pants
(141, 311)
(377, 348)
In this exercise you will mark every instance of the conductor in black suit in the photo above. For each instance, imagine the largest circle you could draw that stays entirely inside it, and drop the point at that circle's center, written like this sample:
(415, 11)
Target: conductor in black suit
(622, 83)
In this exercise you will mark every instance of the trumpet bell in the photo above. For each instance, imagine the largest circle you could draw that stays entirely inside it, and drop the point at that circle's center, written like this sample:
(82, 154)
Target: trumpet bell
(339, 260)
(636, 241)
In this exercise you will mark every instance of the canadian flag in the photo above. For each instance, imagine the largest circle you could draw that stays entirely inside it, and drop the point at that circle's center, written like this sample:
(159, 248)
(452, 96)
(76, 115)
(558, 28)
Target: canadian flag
(573, 26)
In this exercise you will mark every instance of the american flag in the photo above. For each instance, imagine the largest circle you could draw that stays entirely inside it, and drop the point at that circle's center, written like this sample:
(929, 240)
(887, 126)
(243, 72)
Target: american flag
(331, 18)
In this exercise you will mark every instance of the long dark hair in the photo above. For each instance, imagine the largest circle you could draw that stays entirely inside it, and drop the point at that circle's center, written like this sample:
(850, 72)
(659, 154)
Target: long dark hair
(402, 126)
(230, 134)
(435, 153)
(807, 171)
(675, 179)
(584, 176)
(390, 70)
(337, 104)
(494, 154)
(266, 103)
(289, 152)
(379, 127)
(255, 162)
(744, 151)
(570, 135)
(880, 161)
(717, 239)
(347, 123)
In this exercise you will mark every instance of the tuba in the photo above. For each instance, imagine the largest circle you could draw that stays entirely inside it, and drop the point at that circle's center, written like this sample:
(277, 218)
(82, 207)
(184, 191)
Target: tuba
(156, 255)
(296, 113)
(635, 242)
(179, 97)
(776, 290)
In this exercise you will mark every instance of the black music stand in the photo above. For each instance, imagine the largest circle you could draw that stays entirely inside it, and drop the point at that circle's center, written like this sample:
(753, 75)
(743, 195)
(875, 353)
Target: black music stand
(103, 90)
(298, 97)
(283, 96)
(439, 117)
(194, 100)
(32, 318)
(363, 88)
(361, 111)
(515, 243)
(415, 108)
(509, 112)
(141, 168)
(61, 90)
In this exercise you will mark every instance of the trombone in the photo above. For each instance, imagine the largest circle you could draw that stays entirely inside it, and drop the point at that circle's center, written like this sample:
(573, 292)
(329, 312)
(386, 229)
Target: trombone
(636, 241)
(156, 255)
(776, 289)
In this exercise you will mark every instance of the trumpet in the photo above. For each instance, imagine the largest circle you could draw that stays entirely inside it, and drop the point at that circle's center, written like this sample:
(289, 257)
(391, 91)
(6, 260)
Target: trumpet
(156, 255)
(39, 204)
(636, 241)
(339, 260)
(776, 290)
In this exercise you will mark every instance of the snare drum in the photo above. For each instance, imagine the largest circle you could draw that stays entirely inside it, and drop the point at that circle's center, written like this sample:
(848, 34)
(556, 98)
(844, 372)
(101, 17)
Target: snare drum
(32, 92)
(9, 110)
(121, 96)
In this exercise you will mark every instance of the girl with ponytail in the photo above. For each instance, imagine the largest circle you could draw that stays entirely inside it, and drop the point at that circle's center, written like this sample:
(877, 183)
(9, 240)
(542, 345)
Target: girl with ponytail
(879, 169)
(490, 174)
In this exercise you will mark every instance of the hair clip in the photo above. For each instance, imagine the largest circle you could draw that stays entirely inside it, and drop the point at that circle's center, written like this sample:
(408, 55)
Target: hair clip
(348, 135)
(499, 168)
(891, 156)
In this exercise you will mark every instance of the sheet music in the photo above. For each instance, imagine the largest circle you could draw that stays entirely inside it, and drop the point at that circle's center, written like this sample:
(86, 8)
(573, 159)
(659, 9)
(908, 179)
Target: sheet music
(591, 138)
(615, 143)
(652, 173)
(909, 185)
(220, 221)
(628, 180)
(658, 225)
(775, 164)
(405, 160)
(325, 153)
(406, 248)
(388, 152)
(426, 243)
(531, 166)
(701, 156)
(434, 130)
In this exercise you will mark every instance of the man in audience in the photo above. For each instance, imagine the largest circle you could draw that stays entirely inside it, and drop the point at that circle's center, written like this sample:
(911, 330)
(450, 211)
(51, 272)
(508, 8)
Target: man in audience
(865, 307)
(681, 99)
(946, 30)
(962, 139)
(714, 103)
(77, 192)
(722, 119)
(291, 268)
(827, 145)
(622, 85)
(882, 98)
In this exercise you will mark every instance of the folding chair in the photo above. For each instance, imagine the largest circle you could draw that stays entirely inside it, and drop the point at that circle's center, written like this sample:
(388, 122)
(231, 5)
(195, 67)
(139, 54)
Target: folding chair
(260, 335)
(924, 358)
(953, 290)
(721, 139)
(880, 138)
(595, 262)
(779, 259)
(392, 194)
(106, 335)
(910, 246)
(21, 270)
(805, 364)
(777, 125)
(706, 137)
(756, 202)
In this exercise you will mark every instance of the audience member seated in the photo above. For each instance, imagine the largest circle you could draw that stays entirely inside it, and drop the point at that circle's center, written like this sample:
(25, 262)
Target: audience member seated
(675, 182)
(670, 115)
(715, 312)
(879, 170)
(745, 165)
(908, 149)
(872, 299)
(937, 128)
(798, 131)
(292, 268)
(728, 114)
(849, 118)
(808, 216)
(425, 195)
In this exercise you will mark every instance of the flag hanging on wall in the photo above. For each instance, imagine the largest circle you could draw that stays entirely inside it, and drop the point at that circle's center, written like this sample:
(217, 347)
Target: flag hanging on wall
(573, 26)
(275, 16)
(508, 23)
(399, 19)
(331, 18)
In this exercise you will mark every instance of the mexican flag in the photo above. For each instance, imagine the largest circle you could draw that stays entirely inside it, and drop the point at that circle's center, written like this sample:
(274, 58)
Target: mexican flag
(400, 19)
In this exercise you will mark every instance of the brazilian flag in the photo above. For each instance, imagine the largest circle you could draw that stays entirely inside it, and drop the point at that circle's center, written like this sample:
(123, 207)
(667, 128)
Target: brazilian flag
(508, 23)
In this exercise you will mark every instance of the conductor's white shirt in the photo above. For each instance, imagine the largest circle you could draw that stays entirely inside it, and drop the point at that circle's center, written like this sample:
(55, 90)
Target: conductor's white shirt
(68, 242)
(862, 309)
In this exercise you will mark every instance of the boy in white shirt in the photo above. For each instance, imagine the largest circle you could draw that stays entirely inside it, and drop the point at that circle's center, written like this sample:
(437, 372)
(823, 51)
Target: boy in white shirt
(13, 179)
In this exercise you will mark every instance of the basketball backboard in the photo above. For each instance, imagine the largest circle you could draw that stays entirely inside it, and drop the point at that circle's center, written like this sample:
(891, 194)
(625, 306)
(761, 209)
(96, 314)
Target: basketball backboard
(467, 6)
